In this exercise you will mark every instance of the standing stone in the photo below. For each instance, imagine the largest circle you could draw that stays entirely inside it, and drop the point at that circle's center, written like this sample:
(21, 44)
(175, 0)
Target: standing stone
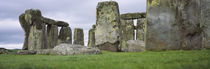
(140, 29)
(91, 37)
(127, 32)
(52, 36)
(205, 19)
(78, 36)
(26, 27)
(37, 35)
(65, 35)
(173, 24)
(107, 33)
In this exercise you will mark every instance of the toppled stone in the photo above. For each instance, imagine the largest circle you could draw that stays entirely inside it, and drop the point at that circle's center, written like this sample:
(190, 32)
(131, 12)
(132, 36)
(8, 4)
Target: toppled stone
(61, 23)
(134, 46)
(26, 52)
(3, 51)
(45, 52)
(131, 16)
(107, 33)
(205, 22)
(65, 35)
(52, 36)
(26, 27)
(69, 49)
(37, 35)
(78, 36)
(91, 38)
(174, 26)
(140, 29)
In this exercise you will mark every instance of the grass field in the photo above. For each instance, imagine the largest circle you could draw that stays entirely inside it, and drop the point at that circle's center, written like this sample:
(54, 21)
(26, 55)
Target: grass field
(111, 60)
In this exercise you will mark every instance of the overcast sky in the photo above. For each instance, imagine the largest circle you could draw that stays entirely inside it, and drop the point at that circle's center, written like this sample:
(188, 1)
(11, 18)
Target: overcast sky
(78, 13)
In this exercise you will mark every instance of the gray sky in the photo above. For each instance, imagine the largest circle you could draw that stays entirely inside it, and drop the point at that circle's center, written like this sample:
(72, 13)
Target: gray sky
(78, 13)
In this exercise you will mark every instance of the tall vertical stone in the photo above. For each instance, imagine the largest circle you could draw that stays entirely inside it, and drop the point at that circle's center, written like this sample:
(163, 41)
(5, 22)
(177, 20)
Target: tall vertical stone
(173, 24)
(127, 32)
(65, 35)
(37, 35)
(205, 20)
(26, 27)
(52, 36)
(140, 29)
(78, 36)
(91, 37)
(107, 33)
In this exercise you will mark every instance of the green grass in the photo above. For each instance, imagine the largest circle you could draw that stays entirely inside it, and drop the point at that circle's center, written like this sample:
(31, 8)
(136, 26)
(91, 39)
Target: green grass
(111, 60)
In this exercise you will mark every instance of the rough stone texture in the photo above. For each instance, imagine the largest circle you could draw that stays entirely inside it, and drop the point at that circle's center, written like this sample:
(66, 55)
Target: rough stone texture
(37, 35)
(205, 20)
(52, 36)
(48, 20)
(45, 52)
(57, 23)
(26, 27)
(61, 23)
(134, 46)
(78, 36)
(127, 28)
(26, 52)
(127, 31)
(140, 29)
(91, 38)
(68, 49)
(107, 33)
(65, 35)
(173, 24)
(3, 51)
(131, 16)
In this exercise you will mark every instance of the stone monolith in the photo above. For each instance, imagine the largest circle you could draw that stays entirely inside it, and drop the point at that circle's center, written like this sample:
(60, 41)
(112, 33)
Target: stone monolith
(173, 24)
(65, 35)
(107, 33)
(78, 36)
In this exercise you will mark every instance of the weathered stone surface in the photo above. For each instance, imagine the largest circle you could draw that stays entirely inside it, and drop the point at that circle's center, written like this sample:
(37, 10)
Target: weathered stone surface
(26, 27)
(26, 52)
(205, 22)
(48, 21)
(140, 29)
(127, 28)
(173, 24)
(91, 38)
(107, 31)
(127, 31)
(69, 49)
(131, 16)
(78, 36)
(61, 23)
(37, 34)
(57, 23)
(65, 35)
(3, 51)
(134, 46)
(45, 52)
(52, 36)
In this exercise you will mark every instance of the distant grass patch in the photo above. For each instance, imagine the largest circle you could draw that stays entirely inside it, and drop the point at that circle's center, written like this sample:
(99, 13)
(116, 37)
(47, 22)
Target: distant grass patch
(196, 59)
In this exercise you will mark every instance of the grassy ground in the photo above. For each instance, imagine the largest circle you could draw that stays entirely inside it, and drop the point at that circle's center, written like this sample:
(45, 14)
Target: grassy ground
(109, 60)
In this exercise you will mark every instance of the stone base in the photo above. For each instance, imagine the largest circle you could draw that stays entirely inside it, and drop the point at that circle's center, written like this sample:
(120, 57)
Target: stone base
(69, 49)
(134, 46)
(26, 52)
(109, 46)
